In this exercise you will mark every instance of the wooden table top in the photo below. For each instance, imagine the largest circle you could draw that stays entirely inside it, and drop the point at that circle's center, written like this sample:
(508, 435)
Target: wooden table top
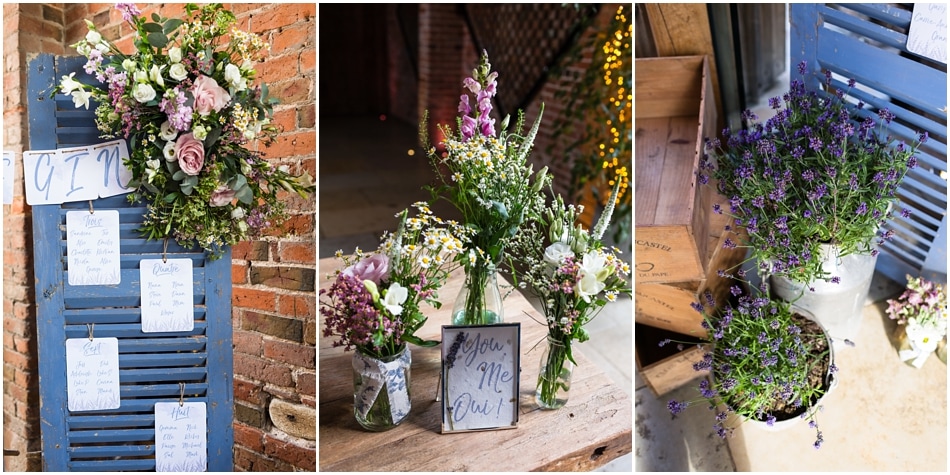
(594, 427)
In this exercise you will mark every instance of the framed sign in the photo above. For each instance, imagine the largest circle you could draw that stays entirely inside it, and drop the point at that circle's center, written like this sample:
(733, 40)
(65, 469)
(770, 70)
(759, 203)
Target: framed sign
(481, 365)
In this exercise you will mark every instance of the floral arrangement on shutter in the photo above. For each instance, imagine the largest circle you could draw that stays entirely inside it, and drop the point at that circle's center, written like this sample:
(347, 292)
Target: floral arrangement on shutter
(186, 103)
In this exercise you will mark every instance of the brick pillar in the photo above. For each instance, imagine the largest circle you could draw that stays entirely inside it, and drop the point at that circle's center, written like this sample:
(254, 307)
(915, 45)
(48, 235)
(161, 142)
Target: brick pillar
(443, 37)
(28, 29)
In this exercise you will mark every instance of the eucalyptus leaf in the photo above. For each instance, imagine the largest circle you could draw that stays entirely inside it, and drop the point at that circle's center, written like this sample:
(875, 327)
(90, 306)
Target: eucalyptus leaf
(245, 195)
(190, 180)
(187, 189)
(152, 27)
(158, 40)
(179, 175)
(171, 25)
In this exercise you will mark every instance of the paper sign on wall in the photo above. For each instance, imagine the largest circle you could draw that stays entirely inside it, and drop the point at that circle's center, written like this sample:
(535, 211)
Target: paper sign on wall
(928, 31)
(76, 174)
(92, 247)
(181, 437)
(8, 171)
(92, 374)
(167, 295)
(480, 377)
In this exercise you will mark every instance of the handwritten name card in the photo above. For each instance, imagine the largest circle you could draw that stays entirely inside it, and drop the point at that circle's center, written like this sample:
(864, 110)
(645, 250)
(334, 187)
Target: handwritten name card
(181, 437)
(8, 170)
(480, 377)
(92, 243)
(167, 295)
(928, 31)
(92, 374)
(76, 174)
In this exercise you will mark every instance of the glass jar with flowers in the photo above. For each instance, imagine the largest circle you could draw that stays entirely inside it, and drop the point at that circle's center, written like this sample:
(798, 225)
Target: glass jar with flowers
(373, 306)
(813, 186)
(573, 275)
(187, 105)
(771, 364)
(921, 314)
(487, 178)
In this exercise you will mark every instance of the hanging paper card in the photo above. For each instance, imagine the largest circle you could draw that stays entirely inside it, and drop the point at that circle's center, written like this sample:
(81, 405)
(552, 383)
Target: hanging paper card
(480, 377)
(92, 243)
(181, 437)
(928, 31)
(8, 171)
(167, 295)
(115, 176)
(92, 374)
(76, 174)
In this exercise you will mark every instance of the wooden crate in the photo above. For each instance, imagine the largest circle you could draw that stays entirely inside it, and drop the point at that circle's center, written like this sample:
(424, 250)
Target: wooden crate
(666, 368)
(675, 111)
(669, 306)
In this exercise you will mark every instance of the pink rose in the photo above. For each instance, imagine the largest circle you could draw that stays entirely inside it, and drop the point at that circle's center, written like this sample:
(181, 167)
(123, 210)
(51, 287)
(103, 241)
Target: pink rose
(222, 196)
(190, 153)
(374, 268)
(209, 95)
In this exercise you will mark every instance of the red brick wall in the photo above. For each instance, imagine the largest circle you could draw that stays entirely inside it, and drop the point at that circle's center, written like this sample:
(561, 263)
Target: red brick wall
(274, 299)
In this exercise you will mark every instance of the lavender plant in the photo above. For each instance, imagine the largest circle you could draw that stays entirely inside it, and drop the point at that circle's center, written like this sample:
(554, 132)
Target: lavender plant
(768, 363)
(813, 174)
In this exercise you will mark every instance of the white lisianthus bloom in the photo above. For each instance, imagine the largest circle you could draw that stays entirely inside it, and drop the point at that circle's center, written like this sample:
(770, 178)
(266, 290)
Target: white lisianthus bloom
(83, 48)
(167, 132)
(372, 289)
(555, 254)
(140, 76)
(128, 65)
(93, 37)
(200, 132)
(242, 226)
(232, 75)
(156, 75)
(169, 151)
(174, 54)
(81, 98)
(178, 72)
(102, 48)
(143, 93)
(237, 213)
(68, 84)
(395, 297)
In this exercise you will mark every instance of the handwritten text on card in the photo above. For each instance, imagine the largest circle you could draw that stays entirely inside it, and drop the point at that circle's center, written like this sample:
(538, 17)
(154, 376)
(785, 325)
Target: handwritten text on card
(928, 31)
(181, 437)
(167, 295)
(92, 247)
(92, 374)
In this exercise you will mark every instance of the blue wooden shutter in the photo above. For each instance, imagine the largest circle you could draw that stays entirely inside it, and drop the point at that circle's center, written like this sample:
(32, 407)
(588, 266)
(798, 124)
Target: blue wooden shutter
(867, 42)
(151, 364)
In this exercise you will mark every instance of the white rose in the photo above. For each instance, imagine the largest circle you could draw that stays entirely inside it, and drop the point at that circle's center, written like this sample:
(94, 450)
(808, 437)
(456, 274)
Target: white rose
(128, 65)
(93, 37)
(232, 75)
(143, 93)
(156, 75)
(169, 151)
(178, 72)
(556, 253)
(153, 164)
(200, 132)
(395, 297)
(168, 132)
(174, 54)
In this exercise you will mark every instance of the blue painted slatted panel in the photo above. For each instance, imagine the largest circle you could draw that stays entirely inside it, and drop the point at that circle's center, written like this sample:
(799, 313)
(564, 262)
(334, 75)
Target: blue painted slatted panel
(867, 42)
(151, 365)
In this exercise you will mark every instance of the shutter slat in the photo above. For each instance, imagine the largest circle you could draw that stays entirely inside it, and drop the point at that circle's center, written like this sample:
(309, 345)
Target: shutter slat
(161, 360)
(112, 451)
(133, 330)
(111, 421)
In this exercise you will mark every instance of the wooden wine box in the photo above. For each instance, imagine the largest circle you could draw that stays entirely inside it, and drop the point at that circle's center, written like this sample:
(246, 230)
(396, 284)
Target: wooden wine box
(675, 111)
(669, 305)
(669, 367)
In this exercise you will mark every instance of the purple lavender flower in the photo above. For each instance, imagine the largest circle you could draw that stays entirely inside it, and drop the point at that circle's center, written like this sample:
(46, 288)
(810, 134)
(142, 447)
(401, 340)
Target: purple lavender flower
(676, 407)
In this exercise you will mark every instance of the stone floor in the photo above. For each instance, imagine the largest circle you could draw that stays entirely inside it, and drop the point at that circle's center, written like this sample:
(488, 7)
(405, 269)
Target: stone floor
(368, 174)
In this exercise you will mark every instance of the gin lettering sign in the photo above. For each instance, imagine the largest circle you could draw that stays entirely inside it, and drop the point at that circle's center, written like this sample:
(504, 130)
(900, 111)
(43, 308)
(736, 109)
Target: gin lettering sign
(76, 174)
(480, 377)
